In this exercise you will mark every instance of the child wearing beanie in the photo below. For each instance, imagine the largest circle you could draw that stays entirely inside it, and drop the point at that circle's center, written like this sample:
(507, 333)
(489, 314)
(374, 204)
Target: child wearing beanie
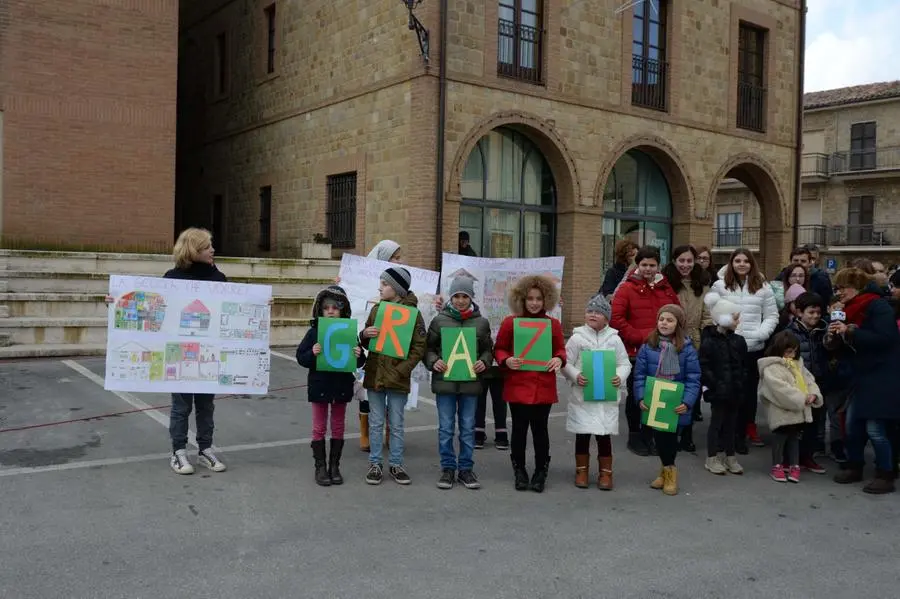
(668, 354)
(722, 356)
(387, 379)
(597, 418)
(458, 400)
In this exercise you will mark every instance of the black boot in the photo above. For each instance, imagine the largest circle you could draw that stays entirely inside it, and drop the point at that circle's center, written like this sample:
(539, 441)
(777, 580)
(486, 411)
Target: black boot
(322, 478)
(687, 439)
(637, 445)
(521, 474)
(539, 478)
(334, 461)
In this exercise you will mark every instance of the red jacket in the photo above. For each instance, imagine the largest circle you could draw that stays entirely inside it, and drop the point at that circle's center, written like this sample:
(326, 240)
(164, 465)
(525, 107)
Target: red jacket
(527, 386)
(635, 306)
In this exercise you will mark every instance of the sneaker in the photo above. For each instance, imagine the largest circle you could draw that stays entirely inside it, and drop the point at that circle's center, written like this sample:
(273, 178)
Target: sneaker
(715, 465)
(732, 465)
(374, 476)
(448, 477)
(209, 460)
(813, 466)
(777, 474)
(501, 443)
(479, 439)
(794, 474)
(469, 480)
(180, 463)
(399, 475)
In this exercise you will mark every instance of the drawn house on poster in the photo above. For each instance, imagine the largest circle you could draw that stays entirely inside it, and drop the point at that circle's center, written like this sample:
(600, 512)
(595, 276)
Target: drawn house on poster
(132, 362)
(460, 272)
(195, 319)
(140, 311)
(191, 362)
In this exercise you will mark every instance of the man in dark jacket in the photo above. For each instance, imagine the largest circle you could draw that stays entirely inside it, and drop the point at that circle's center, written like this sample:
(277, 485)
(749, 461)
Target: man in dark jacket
(819, 281)
(464, 248)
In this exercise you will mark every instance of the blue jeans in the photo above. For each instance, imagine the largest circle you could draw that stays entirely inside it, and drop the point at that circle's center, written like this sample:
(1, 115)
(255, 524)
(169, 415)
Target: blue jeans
(449, 406)
(182, 404)
(393, 402)
(858, 430)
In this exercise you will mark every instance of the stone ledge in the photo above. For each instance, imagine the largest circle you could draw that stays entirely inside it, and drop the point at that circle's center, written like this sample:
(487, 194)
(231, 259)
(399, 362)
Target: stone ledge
(19, 322)
(97, 276)
(157, 257)
(47, 350)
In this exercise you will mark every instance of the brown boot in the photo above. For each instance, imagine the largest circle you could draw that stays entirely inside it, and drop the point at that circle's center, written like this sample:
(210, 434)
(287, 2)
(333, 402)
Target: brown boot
(670, 484)
(582, 467)
(659, 481)
(605, 478)
(364, 432)
(850, 473)
(883, 483)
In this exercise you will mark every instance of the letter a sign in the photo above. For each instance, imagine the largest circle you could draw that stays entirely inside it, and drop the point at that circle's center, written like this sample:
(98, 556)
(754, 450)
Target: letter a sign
(662, 397)
(458, 350)
(532, 342)
(396, 324)
(337, 336)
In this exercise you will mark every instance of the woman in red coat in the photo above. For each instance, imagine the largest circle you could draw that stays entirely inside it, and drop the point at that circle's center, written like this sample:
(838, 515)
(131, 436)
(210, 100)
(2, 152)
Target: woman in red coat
(634, 309)
(530, 394)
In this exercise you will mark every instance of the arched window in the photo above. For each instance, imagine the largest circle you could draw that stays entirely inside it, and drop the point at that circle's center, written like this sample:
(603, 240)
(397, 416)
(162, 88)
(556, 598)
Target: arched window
(637, 204)
(508, 198)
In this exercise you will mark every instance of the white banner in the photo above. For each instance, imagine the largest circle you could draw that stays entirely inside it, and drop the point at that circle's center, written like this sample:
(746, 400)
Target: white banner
(185, 336)
(494, 277)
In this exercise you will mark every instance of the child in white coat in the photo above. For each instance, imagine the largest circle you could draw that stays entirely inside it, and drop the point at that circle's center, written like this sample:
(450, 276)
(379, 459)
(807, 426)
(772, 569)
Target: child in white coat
(789, 392)
(598, 418)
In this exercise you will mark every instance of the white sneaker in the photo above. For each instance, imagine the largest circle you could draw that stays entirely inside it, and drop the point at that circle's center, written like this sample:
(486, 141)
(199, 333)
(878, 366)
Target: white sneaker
(715, 465)
(209, 460)
(180, 463)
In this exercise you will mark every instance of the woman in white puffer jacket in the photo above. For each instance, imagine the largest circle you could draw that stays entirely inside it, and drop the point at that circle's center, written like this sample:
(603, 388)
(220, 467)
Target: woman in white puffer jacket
(741, 283)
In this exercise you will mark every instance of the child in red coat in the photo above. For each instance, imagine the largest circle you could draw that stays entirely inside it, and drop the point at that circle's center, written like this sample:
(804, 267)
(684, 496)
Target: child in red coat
(530, 394)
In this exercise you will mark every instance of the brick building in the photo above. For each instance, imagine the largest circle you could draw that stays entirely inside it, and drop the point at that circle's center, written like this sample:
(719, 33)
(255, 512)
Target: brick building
(87, 123)
(850, 177)
(567, 124)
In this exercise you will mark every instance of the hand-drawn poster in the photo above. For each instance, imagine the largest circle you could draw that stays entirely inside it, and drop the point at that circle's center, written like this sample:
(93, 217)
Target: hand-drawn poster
(360, 277)
(182, 336)
(494, 277)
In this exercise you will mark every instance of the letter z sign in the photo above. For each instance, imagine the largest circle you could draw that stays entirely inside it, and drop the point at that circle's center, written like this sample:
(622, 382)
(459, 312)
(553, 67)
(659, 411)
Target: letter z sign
(532, 342)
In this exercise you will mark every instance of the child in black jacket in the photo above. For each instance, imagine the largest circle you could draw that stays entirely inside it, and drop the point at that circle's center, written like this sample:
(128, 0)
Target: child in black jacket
(334, 389)
(722, 356)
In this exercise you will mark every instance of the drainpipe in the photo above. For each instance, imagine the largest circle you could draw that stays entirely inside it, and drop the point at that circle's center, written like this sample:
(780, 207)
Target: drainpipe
(442, 114)
(801, 55)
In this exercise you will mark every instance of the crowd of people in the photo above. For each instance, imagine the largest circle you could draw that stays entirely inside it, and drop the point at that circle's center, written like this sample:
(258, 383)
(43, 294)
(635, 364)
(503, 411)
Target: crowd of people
(816, 354)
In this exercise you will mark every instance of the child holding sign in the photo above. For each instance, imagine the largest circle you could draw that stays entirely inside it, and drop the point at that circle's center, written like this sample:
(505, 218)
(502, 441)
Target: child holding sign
(531, 349)
(331, 353)
(666, 385)
(596, 391)
(395, 333)
(459, 352)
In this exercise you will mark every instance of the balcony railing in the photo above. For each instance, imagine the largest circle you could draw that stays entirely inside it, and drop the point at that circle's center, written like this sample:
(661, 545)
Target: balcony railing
(735, 237)
(882, 235)
(875, 159)
(814, 165)
(519, 52)
(648, 83)
(751, 107)
(816, 234)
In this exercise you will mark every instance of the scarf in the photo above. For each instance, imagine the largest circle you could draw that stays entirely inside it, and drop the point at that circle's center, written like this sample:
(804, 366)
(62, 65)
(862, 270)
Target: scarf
(856, 308)
(461, 316)
(794, 367)
(669, 367)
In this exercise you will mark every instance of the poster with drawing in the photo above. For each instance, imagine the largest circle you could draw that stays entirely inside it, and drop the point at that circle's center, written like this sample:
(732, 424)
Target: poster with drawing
(360, 278)
(181, 336)
(494, 277)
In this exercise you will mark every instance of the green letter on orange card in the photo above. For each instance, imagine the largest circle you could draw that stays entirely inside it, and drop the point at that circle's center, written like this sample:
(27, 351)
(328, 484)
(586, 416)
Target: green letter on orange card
(395, 323)
(662, 397)
(599, 368)
(458, 350)
(532, 342)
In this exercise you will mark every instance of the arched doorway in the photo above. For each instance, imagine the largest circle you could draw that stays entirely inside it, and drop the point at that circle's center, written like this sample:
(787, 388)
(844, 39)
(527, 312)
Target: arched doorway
(637, 204)
(508, 198)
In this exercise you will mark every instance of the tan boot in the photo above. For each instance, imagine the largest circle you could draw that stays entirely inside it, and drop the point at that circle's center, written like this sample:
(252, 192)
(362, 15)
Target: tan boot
(659, 481)
(582, 468)
(605, 478)
(670, 484)
(364, 432)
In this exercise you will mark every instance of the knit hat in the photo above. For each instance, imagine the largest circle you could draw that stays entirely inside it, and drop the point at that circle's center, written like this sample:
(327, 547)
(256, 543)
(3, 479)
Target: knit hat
(722, 313)
(398, 278)
(675, 310)
(599, 304)
(793, 292)
(463, 284)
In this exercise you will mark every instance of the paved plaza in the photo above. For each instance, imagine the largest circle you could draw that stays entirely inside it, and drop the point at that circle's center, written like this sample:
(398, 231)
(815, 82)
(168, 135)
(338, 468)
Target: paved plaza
(91, 509)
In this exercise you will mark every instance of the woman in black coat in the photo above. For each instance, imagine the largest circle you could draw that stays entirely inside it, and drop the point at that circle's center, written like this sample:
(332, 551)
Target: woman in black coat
(625, 252)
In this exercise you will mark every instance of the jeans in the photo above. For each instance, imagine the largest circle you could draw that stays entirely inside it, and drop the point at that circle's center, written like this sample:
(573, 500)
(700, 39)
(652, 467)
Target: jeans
(835, 403)
(450, 408)
(495, 386)
(858, 429)
(536, 417)
(392, 402)
(320, 420)
(182, 404)
(722, 426)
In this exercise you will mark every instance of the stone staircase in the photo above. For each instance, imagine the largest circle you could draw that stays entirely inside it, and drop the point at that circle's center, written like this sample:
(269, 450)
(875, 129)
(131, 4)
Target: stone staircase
(52, 303)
